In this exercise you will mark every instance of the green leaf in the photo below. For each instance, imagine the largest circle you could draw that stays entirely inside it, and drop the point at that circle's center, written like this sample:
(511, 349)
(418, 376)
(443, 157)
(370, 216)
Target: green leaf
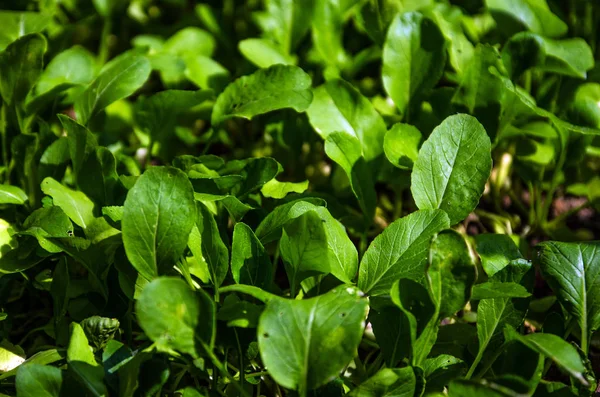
(48, 222)
(440, 370)
(421, 307)
(316, 242)
(450, 257)
(534, 15)
(388, 382)
(395, 333)
(11, 356)
(214, 251)
(75, 204)
(492, 290)
(285, 23)
(190, 41)
(73, 66)
(553, 347)
(16, 24)
(318, 335)
(573, 273)
(414, 55)
(473, 388)
(176, 318)
(345, 150)
(400, 251)
(206, 73)
(80, 140)
(401, 145)
(453, 166)
(250, 263)
(35, 380)
(13, 195)
(82, 363)
(118, 79)
(482, 93)
(494, 314)
(277, 87)
(263, 53)
(158, 215)
(278, 190)
(570, 57)
(339, 107)
(496, 251)
(270, 228)
(449, 18)
(21, 66)
(239, 313)
(327, 31)
(158, 114)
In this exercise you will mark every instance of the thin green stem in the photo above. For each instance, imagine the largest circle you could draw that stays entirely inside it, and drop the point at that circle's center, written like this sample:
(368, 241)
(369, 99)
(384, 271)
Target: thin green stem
(475, 363)
(103, 52)
(219, 365)
(241, 354)
(490, 362)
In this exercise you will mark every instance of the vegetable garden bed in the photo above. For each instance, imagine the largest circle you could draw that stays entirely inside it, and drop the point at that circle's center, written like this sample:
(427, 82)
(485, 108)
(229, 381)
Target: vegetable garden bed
(299, 198)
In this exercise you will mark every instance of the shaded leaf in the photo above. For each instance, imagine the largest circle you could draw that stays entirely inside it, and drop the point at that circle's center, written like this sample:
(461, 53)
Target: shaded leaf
(414, 55)
(572, 270)
(176, 318)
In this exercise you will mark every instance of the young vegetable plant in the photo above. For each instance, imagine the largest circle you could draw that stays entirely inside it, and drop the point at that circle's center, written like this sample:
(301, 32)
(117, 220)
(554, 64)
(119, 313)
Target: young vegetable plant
(271, 198)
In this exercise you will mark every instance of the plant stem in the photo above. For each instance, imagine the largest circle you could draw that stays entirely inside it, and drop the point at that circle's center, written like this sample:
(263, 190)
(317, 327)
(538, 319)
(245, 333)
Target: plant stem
(219, 365)
(475, 363)
(103, 52)
(241, 353)
(489, 364)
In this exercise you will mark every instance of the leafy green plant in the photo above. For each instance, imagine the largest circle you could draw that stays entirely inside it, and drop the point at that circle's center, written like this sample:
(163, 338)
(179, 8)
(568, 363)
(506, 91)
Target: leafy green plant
(321, 198)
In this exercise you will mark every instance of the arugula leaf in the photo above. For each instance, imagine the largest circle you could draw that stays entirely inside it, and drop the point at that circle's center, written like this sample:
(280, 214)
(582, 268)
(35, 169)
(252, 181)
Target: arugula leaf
(277, 87)
(170, 312)
(158, 216)
(338, 107)
(320, 334)
(553, 347)
(117, 80)
(75, 204)
(316, 242)
(250, 263)
(16, 24)
(345, 150)
(263, 53)
(453, 166)
(494, 314)
(39, 380)
(82, 363)
(12, 195)
(21, 66)
(400, 251)
(572, 272)
(388, 382)
(570, 57)
(496, 251)
(414, 55)
(534, 15)
(401, 145)
(451, 258)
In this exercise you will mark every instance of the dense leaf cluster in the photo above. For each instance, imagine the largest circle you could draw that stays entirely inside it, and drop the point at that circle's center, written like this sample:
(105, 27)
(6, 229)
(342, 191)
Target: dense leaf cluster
(369, 198)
